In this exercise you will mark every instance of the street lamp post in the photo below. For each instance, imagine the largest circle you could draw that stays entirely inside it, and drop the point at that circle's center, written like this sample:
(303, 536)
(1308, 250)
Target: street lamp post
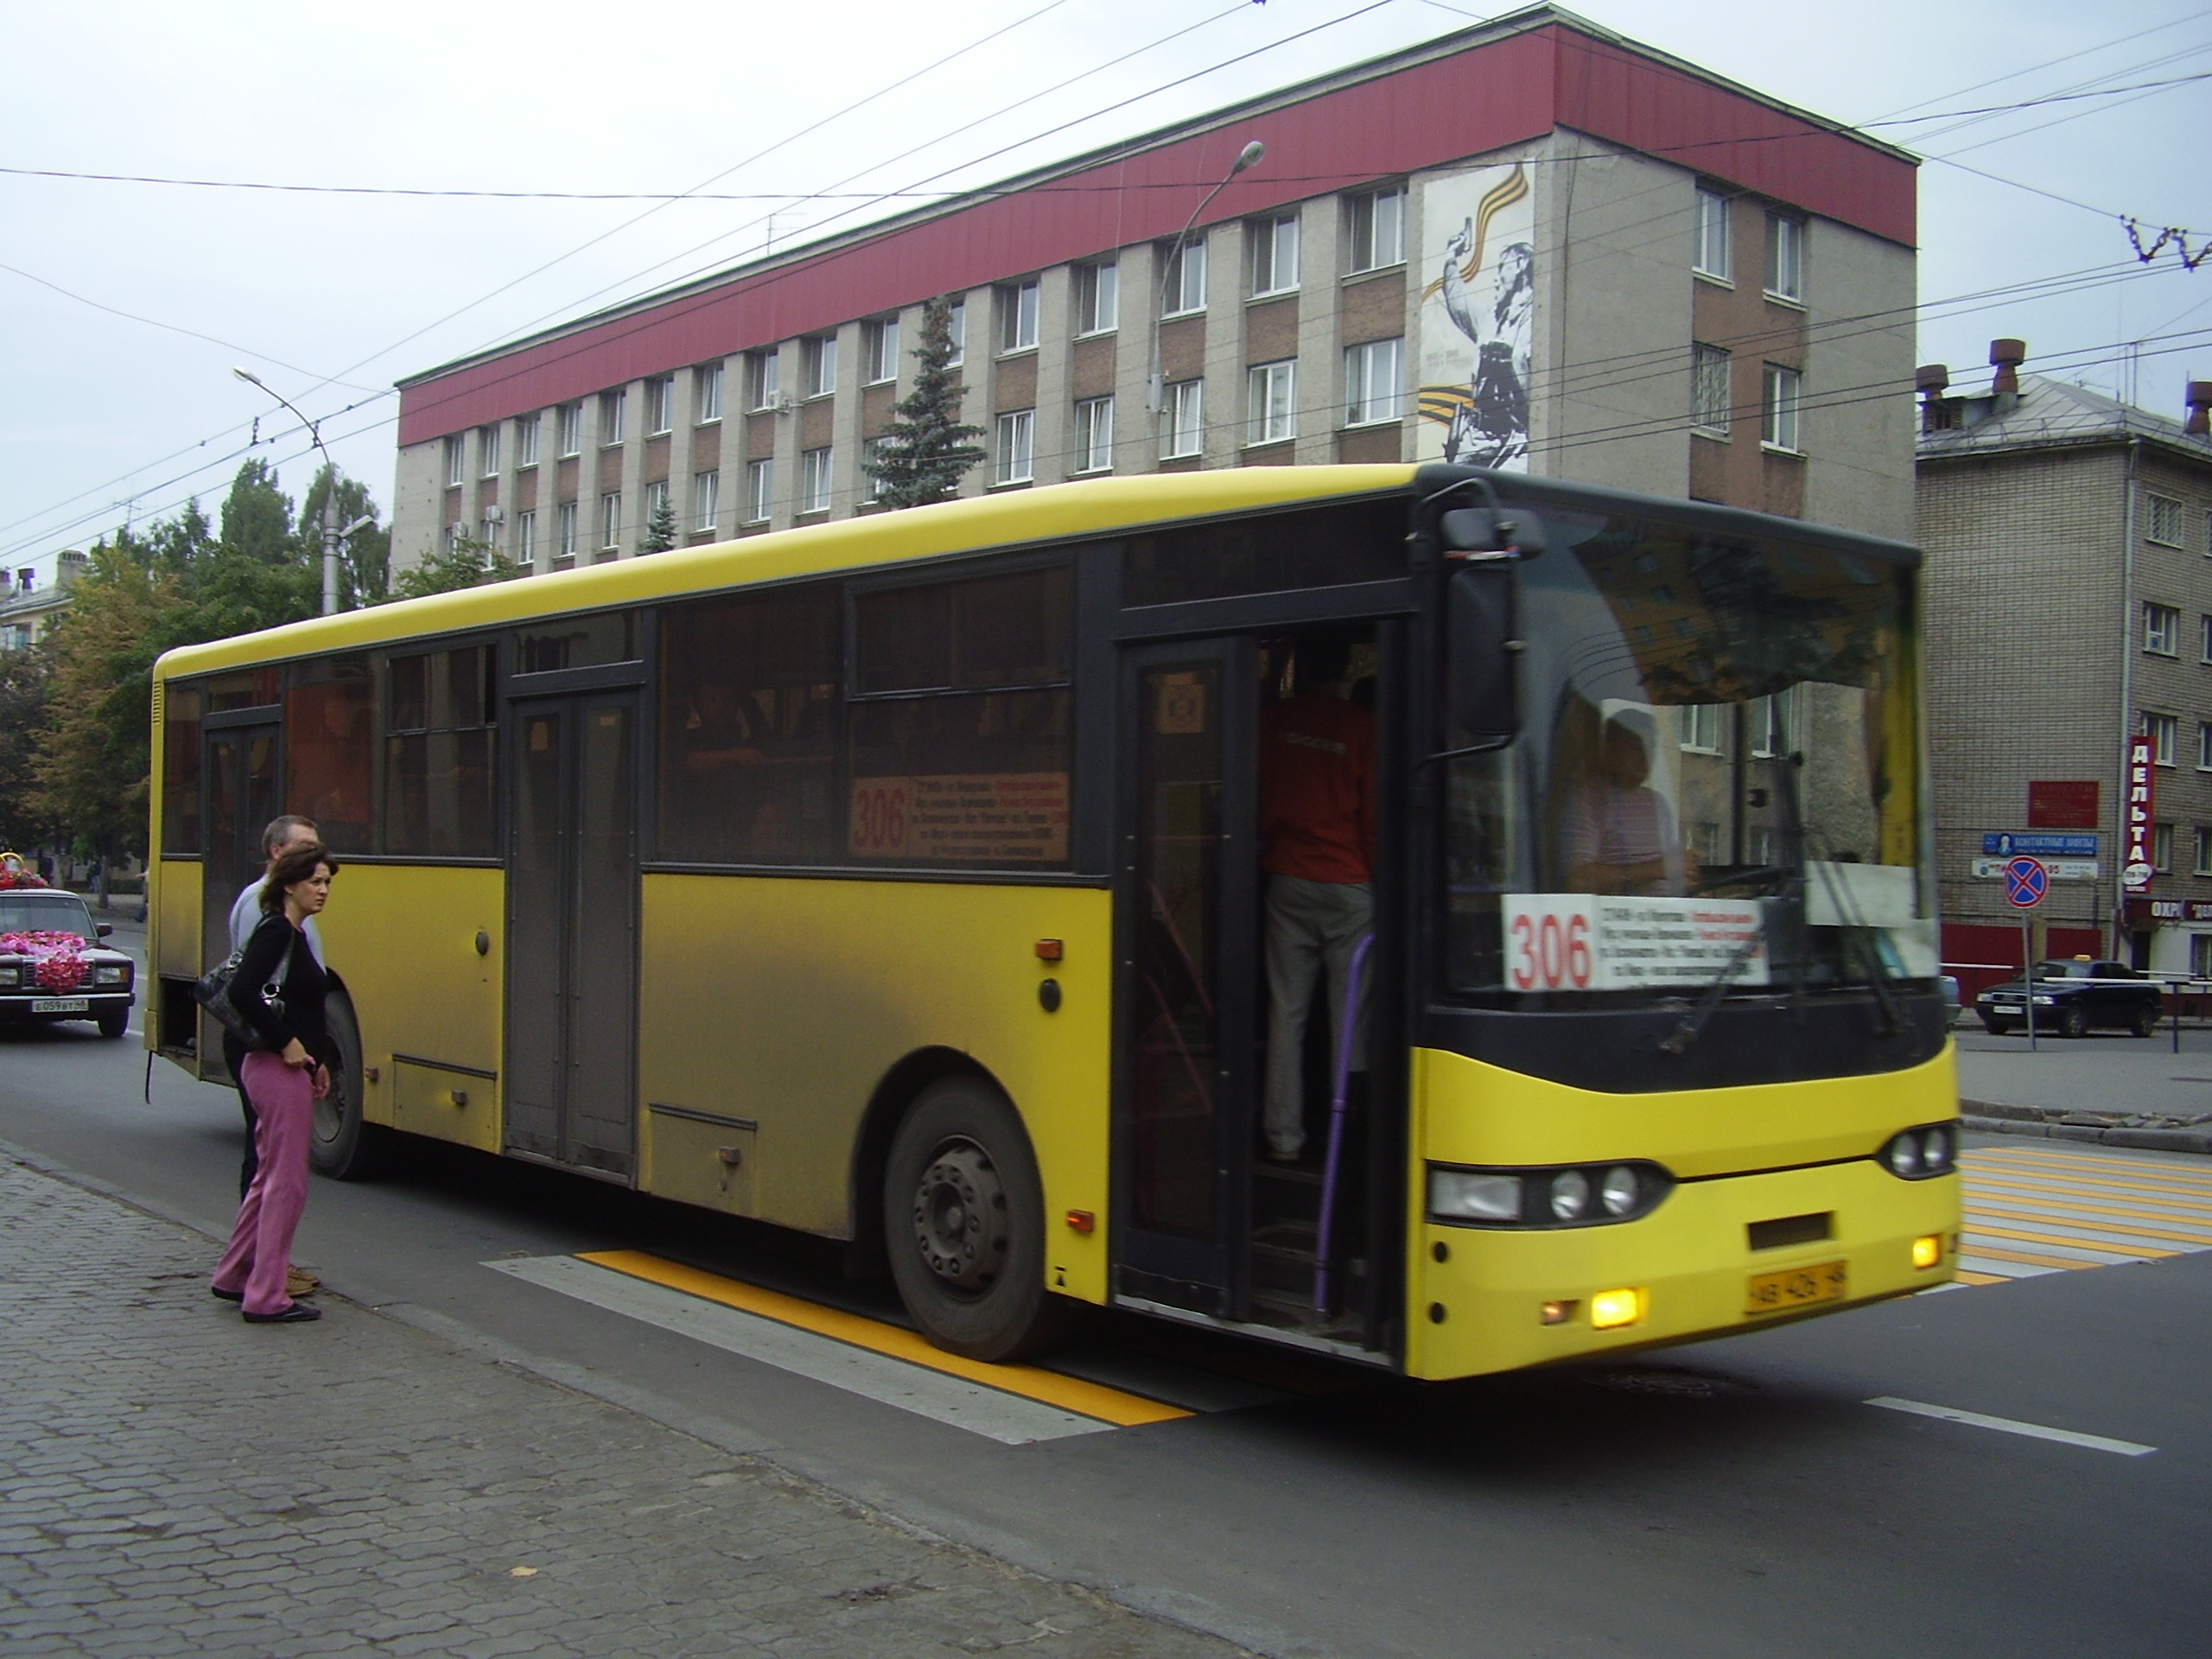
(333, 533)
(1248, 156)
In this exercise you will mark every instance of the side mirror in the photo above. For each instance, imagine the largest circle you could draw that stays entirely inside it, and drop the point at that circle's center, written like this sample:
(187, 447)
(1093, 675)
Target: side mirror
(1508, 531)
(105, 928)
(1486, 647)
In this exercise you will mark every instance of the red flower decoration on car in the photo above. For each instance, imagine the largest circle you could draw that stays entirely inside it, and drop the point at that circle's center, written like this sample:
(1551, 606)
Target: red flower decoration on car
(59, 957)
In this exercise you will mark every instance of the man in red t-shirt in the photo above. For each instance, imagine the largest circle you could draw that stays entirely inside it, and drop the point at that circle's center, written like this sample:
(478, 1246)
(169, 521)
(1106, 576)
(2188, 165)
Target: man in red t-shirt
(1316, 825)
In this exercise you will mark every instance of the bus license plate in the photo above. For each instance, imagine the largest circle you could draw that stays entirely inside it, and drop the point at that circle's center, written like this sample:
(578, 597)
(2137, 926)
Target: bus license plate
(61, 1005)
(1771, 1293)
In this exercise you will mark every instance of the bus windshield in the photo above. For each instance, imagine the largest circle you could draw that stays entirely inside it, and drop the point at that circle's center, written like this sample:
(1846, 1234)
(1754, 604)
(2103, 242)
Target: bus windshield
(1717, 782)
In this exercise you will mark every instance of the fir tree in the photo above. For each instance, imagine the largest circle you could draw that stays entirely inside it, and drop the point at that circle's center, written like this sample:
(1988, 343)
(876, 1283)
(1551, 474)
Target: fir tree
(660, 529)
(926, 450)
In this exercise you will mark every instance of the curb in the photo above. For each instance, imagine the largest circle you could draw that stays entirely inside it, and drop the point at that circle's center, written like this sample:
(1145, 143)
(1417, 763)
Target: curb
(2196, 1140)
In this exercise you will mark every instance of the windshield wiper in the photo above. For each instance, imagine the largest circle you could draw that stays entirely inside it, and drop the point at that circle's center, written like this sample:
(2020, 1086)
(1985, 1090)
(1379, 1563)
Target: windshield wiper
(1695, 1019)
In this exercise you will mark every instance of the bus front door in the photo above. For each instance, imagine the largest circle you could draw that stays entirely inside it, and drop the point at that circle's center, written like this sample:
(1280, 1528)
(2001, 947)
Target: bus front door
(245, 790)
(572, 934)
(1188, 1073)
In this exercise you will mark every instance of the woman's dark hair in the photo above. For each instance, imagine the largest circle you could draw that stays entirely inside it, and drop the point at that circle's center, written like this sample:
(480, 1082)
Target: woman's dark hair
(289, 870)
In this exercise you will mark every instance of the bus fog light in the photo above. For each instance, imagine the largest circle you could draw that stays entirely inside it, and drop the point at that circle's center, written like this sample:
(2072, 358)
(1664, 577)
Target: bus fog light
(1570, 1194)
(1618, 1192)
(1611, 1309)
(1472, 1195)
(1927, 1252)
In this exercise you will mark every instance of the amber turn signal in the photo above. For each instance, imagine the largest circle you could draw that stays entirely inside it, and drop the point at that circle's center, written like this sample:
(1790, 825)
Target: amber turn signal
(1610, 1309)
(1050, 949)
(1927, 1252)
(1083, 1220)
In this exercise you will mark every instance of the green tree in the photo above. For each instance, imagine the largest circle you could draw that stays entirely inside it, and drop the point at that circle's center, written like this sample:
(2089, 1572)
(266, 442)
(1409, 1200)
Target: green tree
(927, 450)
(364, 559)
(467, 564)
(660, 529)
(258, 516)
(26, 682)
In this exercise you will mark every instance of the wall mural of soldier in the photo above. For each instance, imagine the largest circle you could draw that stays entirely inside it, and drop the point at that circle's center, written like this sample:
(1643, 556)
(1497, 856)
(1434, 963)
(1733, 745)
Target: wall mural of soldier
(1478, 327)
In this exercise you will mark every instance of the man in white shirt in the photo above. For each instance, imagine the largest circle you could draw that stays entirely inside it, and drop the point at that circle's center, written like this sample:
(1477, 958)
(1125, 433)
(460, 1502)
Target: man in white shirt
(280, 837)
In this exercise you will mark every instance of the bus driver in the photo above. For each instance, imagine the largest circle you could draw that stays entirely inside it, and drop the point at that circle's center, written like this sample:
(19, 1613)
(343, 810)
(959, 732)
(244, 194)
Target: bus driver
(1621, 835)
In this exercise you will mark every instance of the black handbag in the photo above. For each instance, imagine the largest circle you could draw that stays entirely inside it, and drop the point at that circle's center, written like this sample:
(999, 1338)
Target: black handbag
(212, 990)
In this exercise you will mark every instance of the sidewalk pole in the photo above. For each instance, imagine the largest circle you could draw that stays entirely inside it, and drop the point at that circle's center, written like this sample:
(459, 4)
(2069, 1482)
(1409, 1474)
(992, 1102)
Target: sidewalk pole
(2028, 976)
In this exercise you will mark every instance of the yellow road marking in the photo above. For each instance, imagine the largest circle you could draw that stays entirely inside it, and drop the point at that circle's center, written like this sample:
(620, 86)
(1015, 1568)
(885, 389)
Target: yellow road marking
(1995, 1254)
(2072, 1217)
(2056, 1188)
(1069, 1393)
(1969, 1277)
(2088, 1161)
(2053, 1170)
(2097, 1245)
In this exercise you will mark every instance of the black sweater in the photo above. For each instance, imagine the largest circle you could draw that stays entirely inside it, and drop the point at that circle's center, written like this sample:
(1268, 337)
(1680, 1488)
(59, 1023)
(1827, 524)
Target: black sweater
(303, 991)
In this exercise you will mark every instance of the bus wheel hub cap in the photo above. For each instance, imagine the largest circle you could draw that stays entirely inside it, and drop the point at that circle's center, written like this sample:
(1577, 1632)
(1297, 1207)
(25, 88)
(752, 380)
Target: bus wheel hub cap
(960, 1217)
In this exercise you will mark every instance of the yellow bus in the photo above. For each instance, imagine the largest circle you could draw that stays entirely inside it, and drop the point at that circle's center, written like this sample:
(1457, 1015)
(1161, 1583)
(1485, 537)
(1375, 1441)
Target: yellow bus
(900, 881)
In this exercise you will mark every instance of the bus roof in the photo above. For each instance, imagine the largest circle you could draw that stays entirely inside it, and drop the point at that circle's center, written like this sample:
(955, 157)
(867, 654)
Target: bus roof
(1055, 512)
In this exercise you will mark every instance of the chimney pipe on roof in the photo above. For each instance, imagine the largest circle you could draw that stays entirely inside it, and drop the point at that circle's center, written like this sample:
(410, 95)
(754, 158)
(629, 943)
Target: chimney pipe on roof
(23, 579)
(1930, 380)
(2199, 398)
(2006, 356)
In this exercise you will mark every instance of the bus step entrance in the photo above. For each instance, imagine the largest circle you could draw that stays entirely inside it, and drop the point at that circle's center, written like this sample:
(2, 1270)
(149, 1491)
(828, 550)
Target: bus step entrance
(1286, 1224)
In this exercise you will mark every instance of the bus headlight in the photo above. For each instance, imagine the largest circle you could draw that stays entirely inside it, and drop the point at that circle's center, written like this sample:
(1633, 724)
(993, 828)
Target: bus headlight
(1618, 1192)
(1473, 1195)
(1573, 1195)
(1570, 1195)
(1918, 1154)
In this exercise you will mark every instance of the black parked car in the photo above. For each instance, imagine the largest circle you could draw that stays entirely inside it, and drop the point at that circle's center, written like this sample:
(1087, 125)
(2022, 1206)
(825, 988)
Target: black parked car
(88, 983)
(2073, 997)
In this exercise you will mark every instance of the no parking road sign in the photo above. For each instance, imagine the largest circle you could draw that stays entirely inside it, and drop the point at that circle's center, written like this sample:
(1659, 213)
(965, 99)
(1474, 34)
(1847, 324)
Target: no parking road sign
(2026, 881)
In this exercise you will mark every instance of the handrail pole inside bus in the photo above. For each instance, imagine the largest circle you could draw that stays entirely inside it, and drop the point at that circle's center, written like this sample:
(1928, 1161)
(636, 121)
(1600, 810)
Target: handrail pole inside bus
(1349, 1024)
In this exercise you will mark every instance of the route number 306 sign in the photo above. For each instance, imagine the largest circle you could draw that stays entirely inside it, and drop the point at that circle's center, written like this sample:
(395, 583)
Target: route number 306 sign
(1594, 942)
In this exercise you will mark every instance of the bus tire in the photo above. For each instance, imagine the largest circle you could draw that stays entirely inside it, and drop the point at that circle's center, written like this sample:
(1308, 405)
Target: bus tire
(963, 1220)
(342, 1145)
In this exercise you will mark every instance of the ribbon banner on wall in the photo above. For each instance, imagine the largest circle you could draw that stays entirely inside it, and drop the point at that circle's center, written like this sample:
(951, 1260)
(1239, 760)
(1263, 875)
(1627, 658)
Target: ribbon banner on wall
(1478, 322)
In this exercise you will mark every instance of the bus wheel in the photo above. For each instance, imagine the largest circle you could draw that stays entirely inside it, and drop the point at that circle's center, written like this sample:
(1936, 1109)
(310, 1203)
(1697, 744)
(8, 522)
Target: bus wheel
(963, 1216)
(342, 1146)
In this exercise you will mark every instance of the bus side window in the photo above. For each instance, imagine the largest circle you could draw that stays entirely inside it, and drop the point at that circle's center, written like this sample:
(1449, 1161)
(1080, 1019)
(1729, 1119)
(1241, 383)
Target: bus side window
(181, 770)
(328, 747)
(442, 756)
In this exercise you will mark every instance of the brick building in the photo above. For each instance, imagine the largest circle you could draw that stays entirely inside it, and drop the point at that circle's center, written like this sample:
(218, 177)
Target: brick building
(1531, 244)
(2069, 609)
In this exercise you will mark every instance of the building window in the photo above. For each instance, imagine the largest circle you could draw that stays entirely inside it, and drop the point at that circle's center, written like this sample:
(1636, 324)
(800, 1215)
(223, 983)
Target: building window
(763, 378)
(1378, 229)
(1778, 409)
(1709, 250)
(613, 412)
(1701, 725)
(2203, 865)
(1017, 316)
(1711, 402)
(1184, 432)
(487, 450)
(1271, 402)
(453, 447)
(871, 453)
(2165, 733)
(1274, 254)
(456, 534)
(1097, 298)
(706, 500)
(2162, 630)
(572, 428)
(526, 433)
(655, 498)
(526, 538)
(1017, 446)
(660, 405)
(879, 351)
(2164, 521)
(2162, 849)
(1374, 382)
(814, 479)
(565, 530)
(1785, 257)
(610, 518)
(818, 365)
(706, 392)
(1094, 435)
(1185, 286)
(487, 531)
(760, 489)
(955, 325)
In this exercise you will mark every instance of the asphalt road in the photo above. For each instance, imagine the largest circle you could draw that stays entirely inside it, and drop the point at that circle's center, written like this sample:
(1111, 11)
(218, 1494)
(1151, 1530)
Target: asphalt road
(1736, 1499)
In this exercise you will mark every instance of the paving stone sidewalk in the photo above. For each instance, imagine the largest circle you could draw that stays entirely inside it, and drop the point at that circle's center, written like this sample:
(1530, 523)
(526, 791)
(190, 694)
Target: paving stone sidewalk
(174, 1481)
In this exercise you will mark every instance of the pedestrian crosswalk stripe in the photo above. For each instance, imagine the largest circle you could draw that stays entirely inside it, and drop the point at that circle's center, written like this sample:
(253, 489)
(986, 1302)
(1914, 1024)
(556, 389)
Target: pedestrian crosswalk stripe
(1972, 1246)
(2068, 1219)
(2075, 1211)
(2093, 1163)
(2004, 1202)
(2067, 1176)
(2115, 1248)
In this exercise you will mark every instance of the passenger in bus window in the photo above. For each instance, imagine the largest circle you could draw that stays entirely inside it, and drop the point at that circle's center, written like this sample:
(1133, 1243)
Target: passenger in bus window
(720, 731)
(1622, 836)
(1317, 826)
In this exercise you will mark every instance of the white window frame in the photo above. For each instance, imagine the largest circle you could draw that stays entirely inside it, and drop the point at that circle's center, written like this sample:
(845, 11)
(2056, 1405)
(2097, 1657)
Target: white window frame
(1184, 431)
(764, 382)
(879, 351)
(2203, 850)
(2204, 746)
(1097, 298)
(1711, 255)
(565, 530)
(1712, 400)
(1782, 400)
(816, 478)
(571, 434)
(1702, 729)
(1017, 305)
(706, 498)
(1271, 402)
(660, 405)
(614, 416)
(528, 434)
(818, 366)
(871, 456)
(487, 450)
(956, 327)
(707, 393)
(1377, 227)
(2162, 520)
(1375, 382)
(1786, 258)
(1094, 435)
(2162, 849)
(1274, 242)
(1015, 450)
(2165, 733)
(657, 496)
(1185, 286)
(455, 459)
(760, 489)
(2161, 629)
(526, 536)
(610, 518)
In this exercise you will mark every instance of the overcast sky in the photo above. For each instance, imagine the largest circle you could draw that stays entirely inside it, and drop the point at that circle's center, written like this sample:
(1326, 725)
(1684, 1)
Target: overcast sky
(330, 297)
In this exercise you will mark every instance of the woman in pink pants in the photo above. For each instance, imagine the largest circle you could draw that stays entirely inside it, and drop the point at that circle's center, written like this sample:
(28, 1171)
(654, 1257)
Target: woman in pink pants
(285, 1073)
